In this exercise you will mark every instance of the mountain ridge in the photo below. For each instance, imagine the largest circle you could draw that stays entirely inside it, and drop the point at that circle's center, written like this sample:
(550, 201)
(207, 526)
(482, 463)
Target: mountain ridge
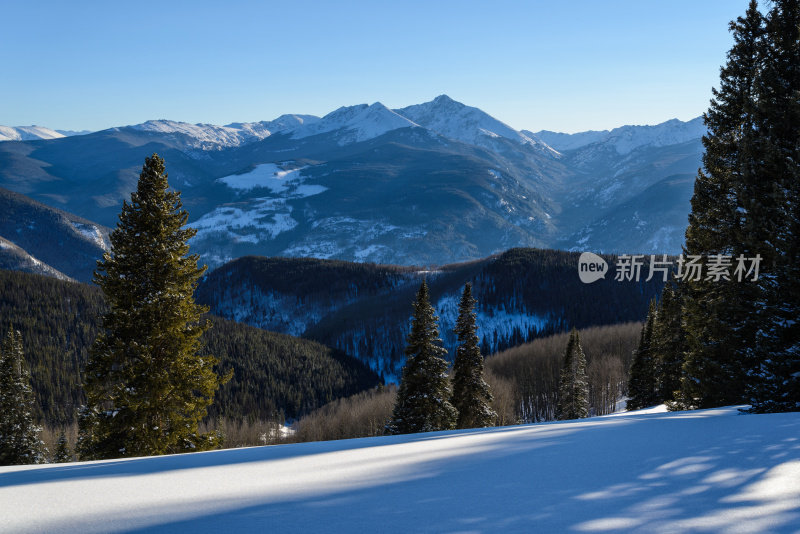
(433, 183)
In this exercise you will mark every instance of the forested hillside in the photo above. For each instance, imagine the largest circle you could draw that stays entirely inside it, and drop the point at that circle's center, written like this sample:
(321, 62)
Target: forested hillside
(273, 374)
(364, 309)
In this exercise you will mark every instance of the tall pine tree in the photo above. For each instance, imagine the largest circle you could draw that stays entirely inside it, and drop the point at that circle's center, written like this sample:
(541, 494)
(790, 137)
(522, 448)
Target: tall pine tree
(774, 213)
(668, 344)
(573, 384)
(718, 314)
(19, 434)
(471, 395)
(423, 403)
(148, 384)
(62, 454)
(643, 380)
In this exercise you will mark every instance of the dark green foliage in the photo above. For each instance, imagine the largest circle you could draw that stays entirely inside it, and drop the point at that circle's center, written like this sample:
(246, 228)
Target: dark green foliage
(59, 321)
(743, 338)
(718, 314)
(147, 383)
(471, 395)
(775, 385)
(279, 375)
(643, 381)
(19, 434)
(62, 454)
(668, 344)
(423, 403)
(365, 312)
(271, 372)
(573, 385)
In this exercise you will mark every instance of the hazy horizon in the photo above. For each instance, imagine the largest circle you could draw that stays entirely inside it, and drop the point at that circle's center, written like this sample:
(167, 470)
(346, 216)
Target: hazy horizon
(571, 67)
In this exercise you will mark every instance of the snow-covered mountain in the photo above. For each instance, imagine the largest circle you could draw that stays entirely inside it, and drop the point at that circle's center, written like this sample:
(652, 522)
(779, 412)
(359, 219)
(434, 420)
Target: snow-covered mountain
(27, 133)
(212, 137)
(356, 123)
(468, 124)
(714, 471)
(625, 139)
(432, 183)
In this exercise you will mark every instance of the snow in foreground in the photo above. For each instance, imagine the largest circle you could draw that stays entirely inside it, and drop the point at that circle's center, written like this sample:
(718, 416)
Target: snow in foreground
(712, 470)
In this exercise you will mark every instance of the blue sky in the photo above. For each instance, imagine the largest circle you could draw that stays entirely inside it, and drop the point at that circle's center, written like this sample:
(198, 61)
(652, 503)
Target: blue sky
(558, 65)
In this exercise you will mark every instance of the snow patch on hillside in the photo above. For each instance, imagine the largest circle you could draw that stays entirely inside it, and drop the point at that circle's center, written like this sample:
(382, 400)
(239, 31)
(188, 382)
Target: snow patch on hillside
(268, 175)
(493, 323)
(92, 233)
(258, 219)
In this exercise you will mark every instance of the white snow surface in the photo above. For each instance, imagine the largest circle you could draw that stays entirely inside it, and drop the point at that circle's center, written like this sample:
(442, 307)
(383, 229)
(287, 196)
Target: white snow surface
(267, 175)
(27, 133)
(92, 233)
(705, 471)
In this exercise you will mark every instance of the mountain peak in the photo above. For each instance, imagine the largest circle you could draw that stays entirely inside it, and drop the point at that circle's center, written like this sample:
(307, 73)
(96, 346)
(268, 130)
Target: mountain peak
(358, 123)
(444, 99)
(468, 124)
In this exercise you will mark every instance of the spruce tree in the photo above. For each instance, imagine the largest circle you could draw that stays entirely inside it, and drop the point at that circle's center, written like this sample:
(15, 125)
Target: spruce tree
(573, 384)
(471, 395)
(720, 325)
(62, 454)
(774, 211)
(423, 403)
(148, 383)
(19, 435)
(643, 382)
(668, 344)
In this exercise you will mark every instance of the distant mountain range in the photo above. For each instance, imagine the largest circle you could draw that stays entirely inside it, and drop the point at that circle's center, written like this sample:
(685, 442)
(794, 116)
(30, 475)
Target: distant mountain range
(428, 184)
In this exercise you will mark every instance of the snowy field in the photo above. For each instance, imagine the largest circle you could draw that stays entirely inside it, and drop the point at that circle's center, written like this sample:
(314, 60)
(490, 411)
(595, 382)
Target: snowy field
(704, 471)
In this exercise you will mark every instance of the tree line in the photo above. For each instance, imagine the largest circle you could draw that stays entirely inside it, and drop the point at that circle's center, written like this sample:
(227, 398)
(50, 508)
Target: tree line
(136, 357)
(721, 341)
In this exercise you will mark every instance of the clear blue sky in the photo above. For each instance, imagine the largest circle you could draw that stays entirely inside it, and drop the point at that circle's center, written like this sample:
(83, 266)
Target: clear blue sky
(559, 65)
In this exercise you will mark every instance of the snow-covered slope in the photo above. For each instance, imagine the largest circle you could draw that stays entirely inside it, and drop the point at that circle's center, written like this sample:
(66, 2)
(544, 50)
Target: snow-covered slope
(471, 125)
(27, 133)
(213, 137)
(704, 471)
(358, 123)
(627, 138)
(564, 141)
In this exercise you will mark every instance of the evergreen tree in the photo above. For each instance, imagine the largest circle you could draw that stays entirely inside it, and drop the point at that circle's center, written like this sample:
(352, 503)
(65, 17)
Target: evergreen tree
(471, 395)
(19, 435)
(774, 215)
(668, 344)
(719, 319)
(573, 384)
(643, 382)
(147, 383)
(423, 396)
(63, 454)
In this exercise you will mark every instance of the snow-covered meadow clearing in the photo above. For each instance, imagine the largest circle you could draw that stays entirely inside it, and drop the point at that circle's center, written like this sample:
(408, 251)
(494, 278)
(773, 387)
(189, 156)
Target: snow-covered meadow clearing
(704, 471)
